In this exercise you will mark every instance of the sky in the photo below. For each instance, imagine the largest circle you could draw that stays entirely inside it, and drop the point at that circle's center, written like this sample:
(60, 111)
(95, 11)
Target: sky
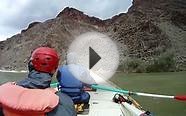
(16, 15)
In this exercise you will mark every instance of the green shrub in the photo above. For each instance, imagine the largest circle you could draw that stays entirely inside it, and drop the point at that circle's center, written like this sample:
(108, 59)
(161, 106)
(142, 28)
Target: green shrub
(162, 63)
(132, 65)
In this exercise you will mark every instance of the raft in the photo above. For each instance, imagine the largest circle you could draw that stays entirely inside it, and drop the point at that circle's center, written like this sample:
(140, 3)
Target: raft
(101, 103)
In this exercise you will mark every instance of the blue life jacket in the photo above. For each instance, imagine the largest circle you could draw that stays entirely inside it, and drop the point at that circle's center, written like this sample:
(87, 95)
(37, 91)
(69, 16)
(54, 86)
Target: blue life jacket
(71, 86)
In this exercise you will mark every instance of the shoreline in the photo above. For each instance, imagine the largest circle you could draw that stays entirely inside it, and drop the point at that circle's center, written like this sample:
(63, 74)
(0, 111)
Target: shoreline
(14, 71)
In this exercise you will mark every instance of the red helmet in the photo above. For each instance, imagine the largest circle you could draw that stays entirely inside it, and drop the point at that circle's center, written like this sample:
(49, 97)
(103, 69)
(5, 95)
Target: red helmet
(45, 59)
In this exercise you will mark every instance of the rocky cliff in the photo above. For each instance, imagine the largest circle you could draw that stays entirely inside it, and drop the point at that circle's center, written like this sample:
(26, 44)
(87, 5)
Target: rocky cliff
(149, 29)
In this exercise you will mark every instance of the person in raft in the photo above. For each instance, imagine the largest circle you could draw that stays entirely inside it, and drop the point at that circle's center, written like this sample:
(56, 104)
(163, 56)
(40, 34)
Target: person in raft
(72, 79)
(33, 95)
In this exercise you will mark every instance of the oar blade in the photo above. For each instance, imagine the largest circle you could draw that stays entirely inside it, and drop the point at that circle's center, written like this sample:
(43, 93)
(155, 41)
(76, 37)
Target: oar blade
(180, 97)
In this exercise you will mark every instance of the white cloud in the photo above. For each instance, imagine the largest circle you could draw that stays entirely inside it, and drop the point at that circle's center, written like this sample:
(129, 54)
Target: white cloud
(17, 14)
(9, 8)
(6, 32)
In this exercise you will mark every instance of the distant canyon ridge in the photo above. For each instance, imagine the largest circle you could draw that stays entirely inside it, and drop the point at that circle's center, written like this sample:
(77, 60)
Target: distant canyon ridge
(150, 35)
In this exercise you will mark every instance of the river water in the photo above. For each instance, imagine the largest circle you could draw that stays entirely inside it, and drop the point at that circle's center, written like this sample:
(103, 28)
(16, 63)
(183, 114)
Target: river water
(11, 76)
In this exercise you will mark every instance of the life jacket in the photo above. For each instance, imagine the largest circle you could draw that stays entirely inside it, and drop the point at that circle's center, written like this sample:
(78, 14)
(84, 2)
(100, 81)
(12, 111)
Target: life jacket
(18, 101)
(70, 85)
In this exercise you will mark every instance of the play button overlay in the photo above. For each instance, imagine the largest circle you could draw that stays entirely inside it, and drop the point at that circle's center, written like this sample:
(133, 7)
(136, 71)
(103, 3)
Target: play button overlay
(93, 53)
(93, 57)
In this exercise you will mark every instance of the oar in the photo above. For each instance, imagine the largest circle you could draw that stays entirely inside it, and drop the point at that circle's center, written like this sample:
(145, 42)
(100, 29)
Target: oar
(178, 97)
(54, 85)
(106, 88)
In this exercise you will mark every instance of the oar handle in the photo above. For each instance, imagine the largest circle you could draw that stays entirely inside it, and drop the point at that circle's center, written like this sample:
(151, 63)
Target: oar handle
(53, 85)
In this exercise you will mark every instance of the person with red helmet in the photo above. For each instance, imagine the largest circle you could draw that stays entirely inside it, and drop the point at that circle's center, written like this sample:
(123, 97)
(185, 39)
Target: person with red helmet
(42, 65)
(45, 59)
(33, 95)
